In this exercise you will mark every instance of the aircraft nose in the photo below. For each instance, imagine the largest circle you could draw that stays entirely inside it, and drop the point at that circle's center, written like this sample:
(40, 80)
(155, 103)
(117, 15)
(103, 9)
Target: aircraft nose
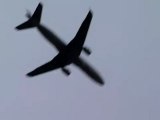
(101, 82)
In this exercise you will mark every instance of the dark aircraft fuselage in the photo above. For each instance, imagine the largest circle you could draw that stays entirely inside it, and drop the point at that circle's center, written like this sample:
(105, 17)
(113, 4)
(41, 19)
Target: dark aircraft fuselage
(68, 53)
(60, 45)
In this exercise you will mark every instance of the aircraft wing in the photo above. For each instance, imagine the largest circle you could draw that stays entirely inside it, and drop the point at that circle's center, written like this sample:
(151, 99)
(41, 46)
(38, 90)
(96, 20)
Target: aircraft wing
(57, 62)
(43, 69)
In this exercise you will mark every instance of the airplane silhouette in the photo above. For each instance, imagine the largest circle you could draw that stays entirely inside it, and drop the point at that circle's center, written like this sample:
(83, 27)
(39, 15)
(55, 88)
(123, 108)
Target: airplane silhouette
(67, 53)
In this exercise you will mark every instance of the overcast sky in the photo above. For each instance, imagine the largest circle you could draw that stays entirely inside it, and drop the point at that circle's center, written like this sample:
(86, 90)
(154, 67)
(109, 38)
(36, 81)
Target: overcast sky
(124, 36)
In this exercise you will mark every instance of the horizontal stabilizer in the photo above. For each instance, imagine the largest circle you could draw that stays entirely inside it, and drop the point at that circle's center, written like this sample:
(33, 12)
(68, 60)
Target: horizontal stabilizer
(34, 20)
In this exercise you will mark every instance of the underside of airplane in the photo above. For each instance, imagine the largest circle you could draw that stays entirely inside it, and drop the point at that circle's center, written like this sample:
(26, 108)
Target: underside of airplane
(69, 53)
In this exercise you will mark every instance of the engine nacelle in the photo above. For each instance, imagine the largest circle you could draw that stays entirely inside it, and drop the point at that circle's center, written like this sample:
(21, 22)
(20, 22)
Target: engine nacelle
(66, 71)
(87, 50)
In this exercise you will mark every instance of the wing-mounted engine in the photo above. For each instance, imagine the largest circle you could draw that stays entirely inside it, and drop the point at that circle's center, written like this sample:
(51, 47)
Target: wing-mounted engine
(87, 50)
(66, 71)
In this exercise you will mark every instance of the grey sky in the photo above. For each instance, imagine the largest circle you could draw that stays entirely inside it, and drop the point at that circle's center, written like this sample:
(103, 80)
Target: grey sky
(128, 32)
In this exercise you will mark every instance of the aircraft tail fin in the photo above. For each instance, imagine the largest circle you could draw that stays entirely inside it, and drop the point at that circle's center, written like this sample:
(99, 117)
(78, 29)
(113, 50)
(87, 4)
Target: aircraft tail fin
(34, 20)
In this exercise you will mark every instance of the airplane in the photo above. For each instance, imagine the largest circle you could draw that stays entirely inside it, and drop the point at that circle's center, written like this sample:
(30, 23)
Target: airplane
(69, 53)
